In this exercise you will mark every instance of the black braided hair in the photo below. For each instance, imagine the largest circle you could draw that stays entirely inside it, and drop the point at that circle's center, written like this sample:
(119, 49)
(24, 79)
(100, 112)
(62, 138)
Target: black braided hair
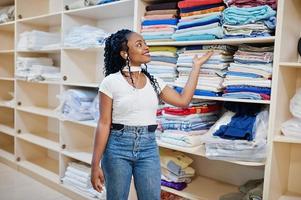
(114, 62)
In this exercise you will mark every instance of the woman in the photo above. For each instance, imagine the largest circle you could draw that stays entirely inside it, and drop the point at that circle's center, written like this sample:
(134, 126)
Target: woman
(125, 139)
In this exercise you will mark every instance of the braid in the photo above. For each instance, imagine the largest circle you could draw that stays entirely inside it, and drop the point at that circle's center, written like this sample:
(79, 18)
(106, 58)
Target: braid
(154, 83)
(115, 43)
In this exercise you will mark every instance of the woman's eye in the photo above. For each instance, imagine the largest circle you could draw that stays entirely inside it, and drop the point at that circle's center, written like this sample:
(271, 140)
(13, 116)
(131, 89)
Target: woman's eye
(139, 45)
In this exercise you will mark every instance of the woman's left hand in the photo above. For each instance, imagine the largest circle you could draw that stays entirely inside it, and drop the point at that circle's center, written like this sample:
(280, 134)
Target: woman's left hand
(199, 61)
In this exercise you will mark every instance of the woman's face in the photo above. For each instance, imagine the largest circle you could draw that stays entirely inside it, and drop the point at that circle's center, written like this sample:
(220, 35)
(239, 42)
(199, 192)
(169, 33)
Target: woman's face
(138, 50)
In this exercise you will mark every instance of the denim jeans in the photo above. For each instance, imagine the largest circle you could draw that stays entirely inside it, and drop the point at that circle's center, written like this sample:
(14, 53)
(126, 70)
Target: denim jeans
(132, 151)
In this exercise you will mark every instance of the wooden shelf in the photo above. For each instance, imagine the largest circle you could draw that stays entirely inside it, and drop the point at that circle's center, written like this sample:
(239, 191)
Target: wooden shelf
(89, 85)
(7, 130)
(53, 19)
(7, 51)
(104, 11)
(43, 142)
(39, 111)
(7, 24)
(35, 167)
(200, 151)
(40, 51)
(202, 188)
(286, 139)
(7, 79)
(89, 123)
(78, 192)
(6, 155)
(7, 104)
(232, 100)
(41, 82)
(290, 64)
(81, 155)
(96, 49)
(235, 41)
(289, 196)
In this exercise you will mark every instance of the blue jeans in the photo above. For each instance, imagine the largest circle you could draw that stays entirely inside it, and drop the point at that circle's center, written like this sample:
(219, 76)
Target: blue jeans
(132, 151)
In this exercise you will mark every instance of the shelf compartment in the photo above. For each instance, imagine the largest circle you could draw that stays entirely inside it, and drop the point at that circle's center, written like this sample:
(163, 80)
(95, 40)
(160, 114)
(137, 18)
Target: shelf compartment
(235, 41)
(77, 141)
(289, 34)
(42, 97)
(7, 65)
(7, 2)
(285, 170)
(203, 188)
(44, 133)
(73, 19)
(34, 8)
(81, 67)
(64, 160)
(7, 37)
(38, 159)
(7, 118)
(7, 145)
(7, 92)
(289, 81)
(290, 196)
(200, 151)
(49, 23)
(122, 8)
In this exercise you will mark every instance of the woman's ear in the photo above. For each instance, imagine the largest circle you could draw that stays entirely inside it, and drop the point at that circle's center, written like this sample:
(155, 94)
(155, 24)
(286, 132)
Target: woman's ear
(124, 54)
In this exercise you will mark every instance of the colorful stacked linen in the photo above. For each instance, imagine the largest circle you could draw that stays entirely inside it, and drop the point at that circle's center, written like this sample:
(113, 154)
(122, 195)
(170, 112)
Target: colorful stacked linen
(200, 20)
(257, 21)
(78, 175)
(239, 135)
(160, 21)
(249, 76)
(175, 170)
(251, 3)
(163, 63)
(211, 73)
(184, 126)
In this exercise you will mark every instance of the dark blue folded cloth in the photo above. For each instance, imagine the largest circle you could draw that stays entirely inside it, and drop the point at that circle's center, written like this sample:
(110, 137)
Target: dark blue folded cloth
(159, 22)
(203, 7)
(240, 127)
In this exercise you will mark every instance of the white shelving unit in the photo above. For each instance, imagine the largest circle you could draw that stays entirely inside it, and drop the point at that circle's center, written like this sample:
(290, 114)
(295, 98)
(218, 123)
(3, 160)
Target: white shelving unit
(283, 174)
(34, 138)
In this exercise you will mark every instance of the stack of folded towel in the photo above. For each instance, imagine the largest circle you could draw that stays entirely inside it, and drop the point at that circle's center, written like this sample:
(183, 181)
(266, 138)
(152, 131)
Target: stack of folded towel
(85, 37)
(37, 69)
(163, 63)
(257, 21)
(39, 40)
(85, 3)
(78, 175)
(75, 104)
(184, 126)
(211, 73)
(7, 13)
(200, 20)
(251, 3)
(175, 170)
(249, 76)
(160, 21)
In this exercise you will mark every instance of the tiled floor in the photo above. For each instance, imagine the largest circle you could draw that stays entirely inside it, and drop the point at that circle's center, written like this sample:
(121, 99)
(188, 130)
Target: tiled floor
(17, 186)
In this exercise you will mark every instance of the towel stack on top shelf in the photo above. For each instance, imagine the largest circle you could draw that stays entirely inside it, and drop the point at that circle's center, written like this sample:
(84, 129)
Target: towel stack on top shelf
(160, 21)
(251, 3)
(200, 20)
(7, 13)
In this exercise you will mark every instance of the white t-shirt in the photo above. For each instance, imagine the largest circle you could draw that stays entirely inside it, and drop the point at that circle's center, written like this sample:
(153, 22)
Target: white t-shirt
(132, 107)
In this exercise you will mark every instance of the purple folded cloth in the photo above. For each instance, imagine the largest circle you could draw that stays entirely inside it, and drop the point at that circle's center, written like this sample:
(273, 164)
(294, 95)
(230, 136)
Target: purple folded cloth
(177, 186)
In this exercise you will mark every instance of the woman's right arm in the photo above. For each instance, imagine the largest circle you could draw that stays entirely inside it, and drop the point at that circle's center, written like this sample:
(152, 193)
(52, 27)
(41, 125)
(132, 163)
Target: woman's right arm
(100, 141)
